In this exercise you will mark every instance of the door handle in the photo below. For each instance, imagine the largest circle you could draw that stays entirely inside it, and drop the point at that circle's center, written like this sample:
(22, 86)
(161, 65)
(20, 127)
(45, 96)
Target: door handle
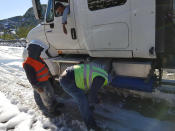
(73, 34)
(49, 31)
(52, 25)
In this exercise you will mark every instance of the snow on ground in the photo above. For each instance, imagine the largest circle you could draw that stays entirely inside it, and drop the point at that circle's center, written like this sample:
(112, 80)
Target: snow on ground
(12, 118)
(13, 43)
(19, 112)
(12, 77)
(14, 84)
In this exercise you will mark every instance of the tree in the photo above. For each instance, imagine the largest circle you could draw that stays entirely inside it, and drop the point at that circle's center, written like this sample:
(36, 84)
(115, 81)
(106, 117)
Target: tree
(23, 31)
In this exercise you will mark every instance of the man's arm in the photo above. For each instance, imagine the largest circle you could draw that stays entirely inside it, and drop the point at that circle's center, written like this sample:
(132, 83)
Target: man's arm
(96, 85)
(64, 18)
(64, 29)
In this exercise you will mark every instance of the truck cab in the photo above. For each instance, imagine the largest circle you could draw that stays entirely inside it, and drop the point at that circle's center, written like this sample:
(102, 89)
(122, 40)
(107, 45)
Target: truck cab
(133, 33)
(121, 29)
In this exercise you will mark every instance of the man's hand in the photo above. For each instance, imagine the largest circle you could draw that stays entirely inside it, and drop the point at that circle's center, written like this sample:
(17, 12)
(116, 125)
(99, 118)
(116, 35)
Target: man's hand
(64, 29)
(38, 88)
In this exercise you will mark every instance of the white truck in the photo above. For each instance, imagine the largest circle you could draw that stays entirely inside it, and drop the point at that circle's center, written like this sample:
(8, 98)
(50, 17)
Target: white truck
(138, 35)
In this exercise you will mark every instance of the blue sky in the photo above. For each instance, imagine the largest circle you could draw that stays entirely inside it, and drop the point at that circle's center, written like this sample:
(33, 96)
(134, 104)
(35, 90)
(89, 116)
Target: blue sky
(10, 8)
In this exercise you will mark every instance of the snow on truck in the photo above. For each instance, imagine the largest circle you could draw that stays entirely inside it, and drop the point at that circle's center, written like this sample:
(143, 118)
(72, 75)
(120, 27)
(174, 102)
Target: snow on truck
(138, 35)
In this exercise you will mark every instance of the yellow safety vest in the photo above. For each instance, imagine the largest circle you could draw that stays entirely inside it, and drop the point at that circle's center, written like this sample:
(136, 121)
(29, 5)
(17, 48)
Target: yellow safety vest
(85, 73)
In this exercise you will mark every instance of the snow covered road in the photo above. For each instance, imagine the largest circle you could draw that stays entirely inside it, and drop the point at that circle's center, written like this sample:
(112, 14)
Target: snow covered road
(19, 120)
(119, 112)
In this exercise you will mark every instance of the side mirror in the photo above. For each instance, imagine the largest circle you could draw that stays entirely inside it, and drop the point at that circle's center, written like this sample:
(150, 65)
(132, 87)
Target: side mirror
(37, 8)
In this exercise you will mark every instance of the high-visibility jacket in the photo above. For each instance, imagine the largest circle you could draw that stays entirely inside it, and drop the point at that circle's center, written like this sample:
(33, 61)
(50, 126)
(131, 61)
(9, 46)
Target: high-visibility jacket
(41, 69)
(85, 73)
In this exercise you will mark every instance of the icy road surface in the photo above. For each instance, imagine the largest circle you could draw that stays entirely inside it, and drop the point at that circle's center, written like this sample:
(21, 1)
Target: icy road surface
(118, 111)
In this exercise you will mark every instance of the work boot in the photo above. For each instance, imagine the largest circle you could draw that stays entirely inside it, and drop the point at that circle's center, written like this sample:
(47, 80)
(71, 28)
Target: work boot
(57, 104)
(92, 108)
(94, 127)
(54, 113)
(54, 110)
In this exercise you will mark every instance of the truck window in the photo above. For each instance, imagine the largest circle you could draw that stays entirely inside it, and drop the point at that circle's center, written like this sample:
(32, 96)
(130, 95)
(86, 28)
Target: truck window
(64, 2)
(102, 4)
(50, 12)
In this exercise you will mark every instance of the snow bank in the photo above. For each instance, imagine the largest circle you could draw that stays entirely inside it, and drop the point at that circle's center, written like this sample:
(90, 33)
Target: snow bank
(12, 118)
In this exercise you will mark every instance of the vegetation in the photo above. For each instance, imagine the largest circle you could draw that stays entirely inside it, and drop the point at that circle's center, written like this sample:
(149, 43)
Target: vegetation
(21, 32)
(22, 24)
(7, 37)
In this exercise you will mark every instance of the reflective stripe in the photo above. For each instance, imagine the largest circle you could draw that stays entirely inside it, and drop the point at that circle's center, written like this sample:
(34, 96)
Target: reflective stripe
(95, 71)
(41, 76)
(85, 73)
(90, 75)
(104, 74)
(42, 69)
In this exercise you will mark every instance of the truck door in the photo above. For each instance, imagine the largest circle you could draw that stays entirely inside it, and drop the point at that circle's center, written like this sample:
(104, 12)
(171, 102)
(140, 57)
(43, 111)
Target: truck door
(109, 22)
(54, 29)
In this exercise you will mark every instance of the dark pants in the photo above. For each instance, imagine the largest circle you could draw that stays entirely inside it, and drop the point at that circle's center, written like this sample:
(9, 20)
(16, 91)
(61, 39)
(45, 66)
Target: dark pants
(46, 93)
(67, 81)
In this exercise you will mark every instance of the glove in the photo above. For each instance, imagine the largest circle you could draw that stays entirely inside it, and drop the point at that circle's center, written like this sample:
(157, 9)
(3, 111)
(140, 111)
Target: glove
(38, 88)
(93, 99)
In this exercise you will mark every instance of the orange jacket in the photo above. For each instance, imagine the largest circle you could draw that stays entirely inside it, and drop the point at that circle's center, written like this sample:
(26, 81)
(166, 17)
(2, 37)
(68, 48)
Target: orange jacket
(41, 69)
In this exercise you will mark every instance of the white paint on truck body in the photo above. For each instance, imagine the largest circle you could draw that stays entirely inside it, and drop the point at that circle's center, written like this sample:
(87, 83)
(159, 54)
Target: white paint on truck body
(124, 31)
(143, 27)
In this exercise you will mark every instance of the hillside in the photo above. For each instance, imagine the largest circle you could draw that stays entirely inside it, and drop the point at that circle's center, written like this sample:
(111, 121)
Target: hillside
(28, 19)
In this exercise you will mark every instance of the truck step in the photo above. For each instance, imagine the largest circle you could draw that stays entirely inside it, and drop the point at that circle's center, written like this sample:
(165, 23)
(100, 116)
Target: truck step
(67, 60)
